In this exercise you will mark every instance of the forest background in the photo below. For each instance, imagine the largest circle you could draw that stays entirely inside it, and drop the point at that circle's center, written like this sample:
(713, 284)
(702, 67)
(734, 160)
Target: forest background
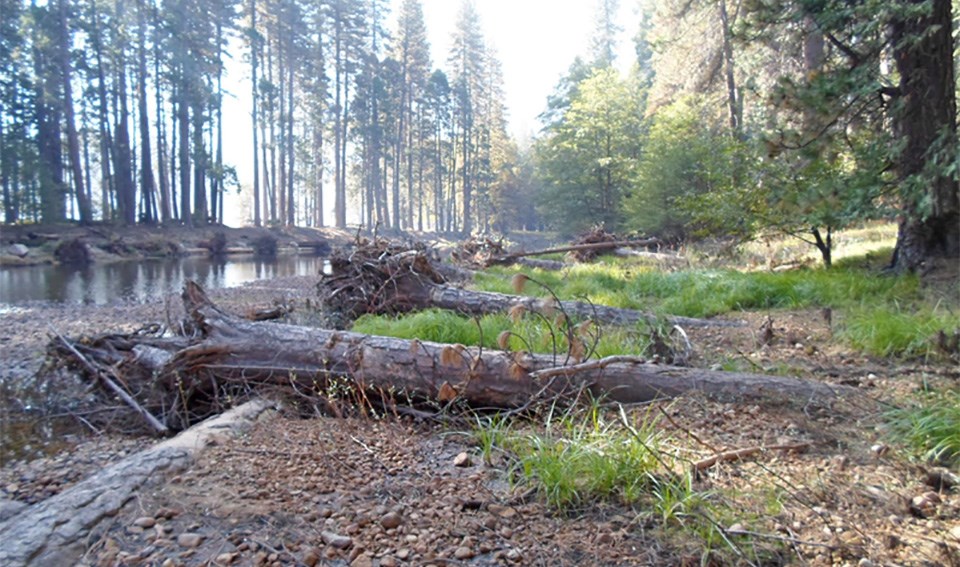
(733, 118)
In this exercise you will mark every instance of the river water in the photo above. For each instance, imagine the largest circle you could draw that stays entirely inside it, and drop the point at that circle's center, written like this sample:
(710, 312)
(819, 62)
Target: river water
(142, 281)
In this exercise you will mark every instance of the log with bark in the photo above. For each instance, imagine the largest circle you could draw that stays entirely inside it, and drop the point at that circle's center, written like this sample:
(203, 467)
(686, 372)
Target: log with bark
(399, 281)
(231, 355)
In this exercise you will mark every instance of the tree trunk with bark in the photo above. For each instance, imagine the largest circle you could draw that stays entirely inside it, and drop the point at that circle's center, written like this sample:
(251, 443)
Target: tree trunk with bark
(926, 122)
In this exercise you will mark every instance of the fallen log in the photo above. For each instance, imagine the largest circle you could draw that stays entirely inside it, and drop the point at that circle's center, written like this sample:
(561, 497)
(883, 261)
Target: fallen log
(483, 302)
(57, 531)
(593, 246)
(313, 362)
(407, 281)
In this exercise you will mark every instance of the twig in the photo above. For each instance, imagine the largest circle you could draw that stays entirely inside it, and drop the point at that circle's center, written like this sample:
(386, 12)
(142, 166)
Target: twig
(586, 366)
(790, 540)
(737, 454)
(120, 392)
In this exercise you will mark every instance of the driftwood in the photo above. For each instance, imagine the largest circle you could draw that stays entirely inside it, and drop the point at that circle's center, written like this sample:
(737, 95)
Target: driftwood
(58, 530)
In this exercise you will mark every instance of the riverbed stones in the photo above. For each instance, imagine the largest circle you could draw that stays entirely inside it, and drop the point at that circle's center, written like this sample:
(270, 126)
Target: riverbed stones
(190, 539)
(391, 520)
(19, 250)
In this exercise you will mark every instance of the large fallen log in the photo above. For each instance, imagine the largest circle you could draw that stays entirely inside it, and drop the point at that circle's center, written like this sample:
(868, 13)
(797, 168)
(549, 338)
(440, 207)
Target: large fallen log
(313, 362)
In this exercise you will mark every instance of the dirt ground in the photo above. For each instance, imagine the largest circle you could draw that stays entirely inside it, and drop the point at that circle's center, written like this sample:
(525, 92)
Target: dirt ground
(392, 491)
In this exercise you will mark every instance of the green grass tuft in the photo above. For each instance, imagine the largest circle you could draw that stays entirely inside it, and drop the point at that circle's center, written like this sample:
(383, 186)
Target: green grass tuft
(932, 428)
(887, 330)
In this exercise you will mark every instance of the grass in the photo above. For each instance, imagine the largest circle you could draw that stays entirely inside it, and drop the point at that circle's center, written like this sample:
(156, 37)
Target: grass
(931, 428)
(889, 330)
(881, 315)
(586, 455)
(529, 333)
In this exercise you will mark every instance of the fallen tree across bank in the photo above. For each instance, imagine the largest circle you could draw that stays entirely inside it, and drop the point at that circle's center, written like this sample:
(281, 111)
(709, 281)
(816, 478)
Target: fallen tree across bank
(230, 356)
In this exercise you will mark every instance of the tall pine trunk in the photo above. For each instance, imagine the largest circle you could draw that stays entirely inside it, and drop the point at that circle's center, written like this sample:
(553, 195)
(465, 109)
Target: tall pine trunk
(926, 123)
(73, 142)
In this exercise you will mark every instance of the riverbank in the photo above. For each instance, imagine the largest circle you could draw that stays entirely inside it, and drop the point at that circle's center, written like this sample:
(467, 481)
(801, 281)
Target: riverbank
(30, 245)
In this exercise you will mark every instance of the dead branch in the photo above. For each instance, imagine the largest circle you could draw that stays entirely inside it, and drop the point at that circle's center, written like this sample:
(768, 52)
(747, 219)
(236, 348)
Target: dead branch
(738, 454)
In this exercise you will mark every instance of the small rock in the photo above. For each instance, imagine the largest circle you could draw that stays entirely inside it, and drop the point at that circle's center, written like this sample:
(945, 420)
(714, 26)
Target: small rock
(226, 558)
(514, 555)
(391, 520)
(336, 540)
(18, 250)
(462, 460)
(955, 532)
(864, 562)
(925, 505)
(880, 449)
(145, 522)
(362, 561)
(388, 561)
(737, 527)
(463, 553)
(189, 540)
(502, 511)
(941, 479)
(311, 557)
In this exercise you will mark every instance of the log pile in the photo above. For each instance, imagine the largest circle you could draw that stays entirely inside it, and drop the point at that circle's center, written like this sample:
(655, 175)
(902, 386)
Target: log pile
(375, 276)
(224, 358)
(478, 252)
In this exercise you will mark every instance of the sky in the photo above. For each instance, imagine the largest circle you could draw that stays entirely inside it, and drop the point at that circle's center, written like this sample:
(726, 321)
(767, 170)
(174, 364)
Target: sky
(535, 41)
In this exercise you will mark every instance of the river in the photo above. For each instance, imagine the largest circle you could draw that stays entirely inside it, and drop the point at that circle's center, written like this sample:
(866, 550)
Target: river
(142, 281)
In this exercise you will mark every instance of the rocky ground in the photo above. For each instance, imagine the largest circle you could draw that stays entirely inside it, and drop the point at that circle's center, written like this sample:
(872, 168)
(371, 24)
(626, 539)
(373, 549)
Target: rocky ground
(387, 490)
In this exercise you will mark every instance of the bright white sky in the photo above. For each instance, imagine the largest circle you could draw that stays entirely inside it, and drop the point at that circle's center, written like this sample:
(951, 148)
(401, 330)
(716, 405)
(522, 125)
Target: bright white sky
(536, 41)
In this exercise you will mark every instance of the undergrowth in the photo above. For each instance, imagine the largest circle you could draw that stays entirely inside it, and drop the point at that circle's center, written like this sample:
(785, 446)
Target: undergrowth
(931, 427)
(528, 333)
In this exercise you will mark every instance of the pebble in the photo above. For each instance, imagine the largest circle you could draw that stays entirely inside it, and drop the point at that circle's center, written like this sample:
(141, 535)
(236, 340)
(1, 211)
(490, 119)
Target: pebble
(391, 520)
(311, 557)
(190, 539)
(462, 460)
(336, 540)
(145, 522)
(462, 553)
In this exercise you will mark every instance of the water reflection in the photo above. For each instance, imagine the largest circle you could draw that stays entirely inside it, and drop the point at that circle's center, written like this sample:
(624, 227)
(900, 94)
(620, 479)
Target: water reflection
(142, 281)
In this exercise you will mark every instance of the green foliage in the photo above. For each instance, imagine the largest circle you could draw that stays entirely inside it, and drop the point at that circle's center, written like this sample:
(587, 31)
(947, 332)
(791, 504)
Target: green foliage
(882, 316)
(684, 159)
(586, 159)
(931, 428)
